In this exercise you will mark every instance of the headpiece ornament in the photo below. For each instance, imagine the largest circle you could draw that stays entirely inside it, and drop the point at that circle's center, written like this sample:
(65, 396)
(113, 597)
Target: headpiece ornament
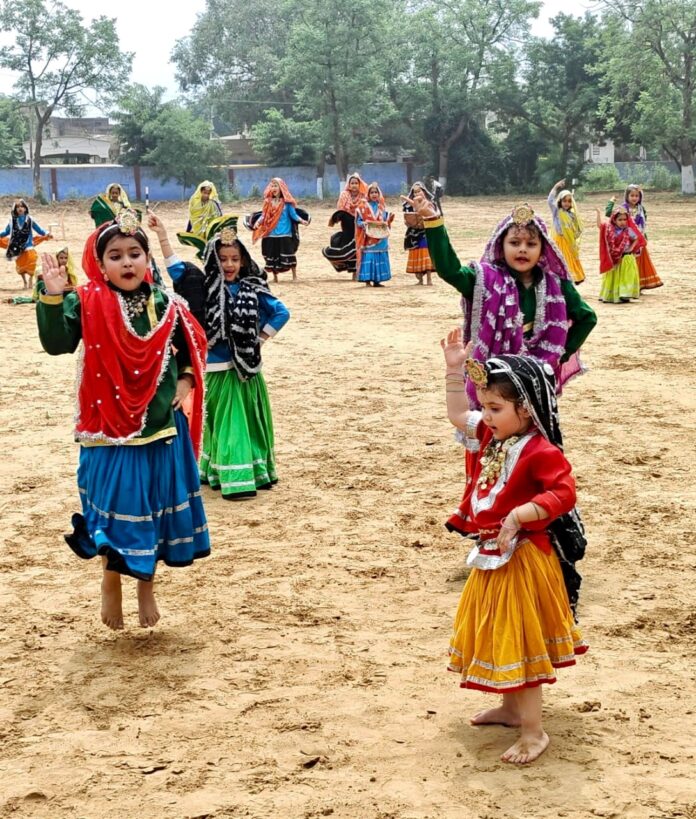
(476, 371)
(522, 214)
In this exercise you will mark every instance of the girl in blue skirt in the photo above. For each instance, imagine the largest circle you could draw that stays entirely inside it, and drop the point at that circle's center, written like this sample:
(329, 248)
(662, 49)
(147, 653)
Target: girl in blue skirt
(142, 352)
(372, 222)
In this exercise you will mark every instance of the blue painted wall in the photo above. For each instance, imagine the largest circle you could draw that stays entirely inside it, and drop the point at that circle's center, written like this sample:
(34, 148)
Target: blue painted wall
(86, 181)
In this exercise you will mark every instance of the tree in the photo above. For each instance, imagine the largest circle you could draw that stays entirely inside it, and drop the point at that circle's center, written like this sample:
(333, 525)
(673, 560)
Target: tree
(457, 49)
(58, 58)
(230, 65)
(183, 149)
(558, 92)
(135, 111)
(12, 132)
(654, 62)
(336, 68)
(279, 140)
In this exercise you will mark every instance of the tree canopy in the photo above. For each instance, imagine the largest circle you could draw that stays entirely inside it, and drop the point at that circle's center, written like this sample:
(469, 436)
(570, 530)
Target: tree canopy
(58, 58)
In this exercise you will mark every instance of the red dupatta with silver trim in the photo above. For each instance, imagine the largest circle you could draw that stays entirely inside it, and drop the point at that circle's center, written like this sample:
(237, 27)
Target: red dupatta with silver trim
(120, 370)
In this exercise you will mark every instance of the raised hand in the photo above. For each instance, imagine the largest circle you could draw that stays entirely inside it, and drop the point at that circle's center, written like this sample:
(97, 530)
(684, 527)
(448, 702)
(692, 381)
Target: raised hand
(454, 349)
(155, 223)
(55, 277)
(422, 206)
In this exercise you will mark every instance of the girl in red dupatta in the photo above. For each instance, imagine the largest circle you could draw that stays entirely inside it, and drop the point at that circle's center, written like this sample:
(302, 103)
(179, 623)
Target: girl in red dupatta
(142, 352)
(277, 228)
(372, 217)
(619, 240)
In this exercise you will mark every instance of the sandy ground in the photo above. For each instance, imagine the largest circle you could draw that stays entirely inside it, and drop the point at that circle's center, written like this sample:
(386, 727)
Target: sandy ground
(300, 671)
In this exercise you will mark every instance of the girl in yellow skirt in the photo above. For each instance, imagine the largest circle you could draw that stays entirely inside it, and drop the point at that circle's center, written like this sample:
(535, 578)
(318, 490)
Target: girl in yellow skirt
(619, 240)
(514, 625)
(567, 228)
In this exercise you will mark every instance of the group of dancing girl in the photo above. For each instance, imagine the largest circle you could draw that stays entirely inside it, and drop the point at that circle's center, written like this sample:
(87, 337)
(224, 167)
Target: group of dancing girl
(171, 398)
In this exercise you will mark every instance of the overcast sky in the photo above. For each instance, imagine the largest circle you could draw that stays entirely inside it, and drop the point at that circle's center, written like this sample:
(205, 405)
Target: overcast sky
(150, 29)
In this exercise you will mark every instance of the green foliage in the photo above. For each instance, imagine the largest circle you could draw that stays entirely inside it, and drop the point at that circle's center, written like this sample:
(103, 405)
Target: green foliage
(137, 109)
(335, 68)
(649, 78)
(13, 130)
(477, 164)
(664, 180)
(279, 140)
(58, 58)
(231, 63)
(183, 149)
(602, 178)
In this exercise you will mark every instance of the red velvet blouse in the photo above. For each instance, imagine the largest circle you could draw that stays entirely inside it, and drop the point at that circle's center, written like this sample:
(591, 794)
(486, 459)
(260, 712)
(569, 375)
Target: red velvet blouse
(535, 470)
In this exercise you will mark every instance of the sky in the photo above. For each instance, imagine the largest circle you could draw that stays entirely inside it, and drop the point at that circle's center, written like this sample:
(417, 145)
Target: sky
(148, 30)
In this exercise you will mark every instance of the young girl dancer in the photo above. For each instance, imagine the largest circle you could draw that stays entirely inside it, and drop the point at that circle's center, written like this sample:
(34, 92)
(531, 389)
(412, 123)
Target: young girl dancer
(239, 315)
(342, 252)
(109, 204)
(519, 299)
(277, 228)
(204, 206)
(567, 229)
(142, 353)
(64, 260)
(419, 261)
(372, 217)
(633, 204)
(514, 624)
(619, 240)
(18, 238)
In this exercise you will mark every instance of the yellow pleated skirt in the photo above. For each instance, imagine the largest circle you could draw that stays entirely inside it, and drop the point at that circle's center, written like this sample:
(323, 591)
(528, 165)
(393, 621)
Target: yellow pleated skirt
(514, 625)
(571, 256)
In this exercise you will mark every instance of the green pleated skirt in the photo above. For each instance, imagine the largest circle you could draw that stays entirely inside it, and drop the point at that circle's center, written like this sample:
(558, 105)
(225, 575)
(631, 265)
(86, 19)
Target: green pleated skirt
(238, 438)
(622, 282)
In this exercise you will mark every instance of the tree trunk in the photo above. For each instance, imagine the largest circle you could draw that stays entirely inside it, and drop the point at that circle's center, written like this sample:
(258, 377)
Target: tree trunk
(36, 158)
(688, 176)
(445, 149)
(321, 166)
(443, 163)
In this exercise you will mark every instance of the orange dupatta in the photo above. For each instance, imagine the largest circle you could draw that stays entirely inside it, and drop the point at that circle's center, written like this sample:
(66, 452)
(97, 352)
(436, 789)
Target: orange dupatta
(270, 214)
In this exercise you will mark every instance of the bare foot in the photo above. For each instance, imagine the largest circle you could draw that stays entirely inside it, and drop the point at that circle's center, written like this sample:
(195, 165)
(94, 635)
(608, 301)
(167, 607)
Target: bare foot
(497, 716)
(111, 607)
(526, 749)
(148, 612)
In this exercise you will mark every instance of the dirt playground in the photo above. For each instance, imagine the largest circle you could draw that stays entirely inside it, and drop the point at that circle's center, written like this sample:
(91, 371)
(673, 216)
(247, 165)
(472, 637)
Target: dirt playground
(299, 671)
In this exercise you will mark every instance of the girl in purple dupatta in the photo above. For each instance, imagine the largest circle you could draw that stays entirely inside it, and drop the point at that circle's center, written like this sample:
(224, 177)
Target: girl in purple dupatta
(520, 298)
(494, 320)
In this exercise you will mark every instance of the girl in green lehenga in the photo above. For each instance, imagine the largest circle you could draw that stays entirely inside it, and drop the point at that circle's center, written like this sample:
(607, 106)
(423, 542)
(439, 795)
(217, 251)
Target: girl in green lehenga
(107, 206)
(239, 313)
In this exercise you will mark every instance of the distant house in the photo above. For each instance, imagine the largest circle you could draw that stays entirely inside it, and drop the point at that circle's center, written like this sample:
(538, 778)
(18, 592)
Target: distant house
(238, 150)
(75, 141)
(600, 153)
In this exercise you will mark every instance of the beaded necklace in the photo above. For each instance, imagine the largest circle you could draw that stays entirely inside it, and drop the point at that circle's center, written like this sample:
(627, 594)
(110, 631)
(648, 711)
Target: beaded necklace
(493, 459)
(134, 303)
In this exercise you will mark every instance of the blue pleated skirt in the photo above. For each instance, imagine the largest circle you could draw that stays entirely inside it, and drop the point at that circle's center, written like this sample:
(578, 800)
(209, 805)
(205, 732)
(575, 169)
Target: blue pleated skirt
(374, 266)
(141, 504)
